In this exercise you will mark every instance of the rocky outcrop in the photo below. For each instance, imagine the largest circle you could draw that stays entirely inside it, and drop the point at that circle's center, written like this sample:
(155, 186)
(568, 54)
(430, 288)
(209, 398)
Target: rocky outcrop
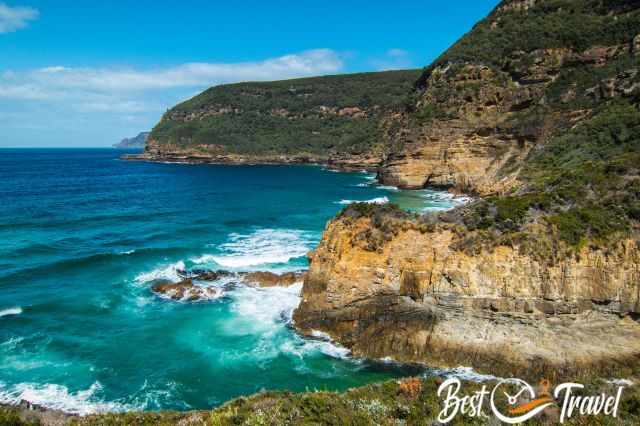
(196, 285)
(185, 291)
(270, 279)
(214, 154)
(414, 296)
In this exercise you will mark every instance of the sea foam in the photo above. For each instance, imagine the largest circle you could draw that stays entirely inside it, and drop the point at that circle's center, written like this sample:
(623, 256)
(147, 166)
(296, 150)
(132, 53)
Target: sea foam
(165, 272)
(464, 373)
(57, 397)
(262, 247)
(378, 200)
(10, 311)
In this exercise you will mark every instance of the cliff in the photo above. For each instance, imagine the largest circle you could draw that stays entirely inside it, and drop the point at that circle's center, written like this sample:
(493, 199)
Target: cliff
(527, 72)
(333, 119)
(138, 141)
(537, 111)
(388, 284)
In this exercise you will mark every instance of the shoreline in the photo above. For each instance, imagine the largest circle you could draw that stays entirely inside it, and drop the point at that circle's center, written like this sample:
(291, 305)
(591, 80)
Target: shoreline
(275, 160)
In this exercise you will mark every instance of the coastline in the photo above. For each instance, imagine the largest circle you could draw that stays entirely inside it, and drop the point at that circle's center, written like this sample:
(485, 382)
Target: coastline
(341, 164)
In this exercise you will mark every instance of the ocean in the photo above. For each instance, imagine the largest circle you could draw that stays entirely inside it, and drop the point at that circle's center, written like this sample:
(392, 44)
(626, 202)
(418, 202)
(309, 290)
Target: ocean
(84, 234)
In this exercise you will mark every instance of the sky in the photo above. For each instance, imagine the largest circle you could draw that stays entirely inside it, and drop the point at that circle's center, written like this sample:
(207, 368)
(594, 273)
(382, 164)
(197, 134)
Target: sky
(89, 73)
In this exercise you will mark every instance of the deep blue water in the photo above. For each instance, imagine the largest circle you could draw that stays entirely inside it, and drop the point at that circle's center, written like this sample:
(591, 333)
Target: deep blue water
(82, 236)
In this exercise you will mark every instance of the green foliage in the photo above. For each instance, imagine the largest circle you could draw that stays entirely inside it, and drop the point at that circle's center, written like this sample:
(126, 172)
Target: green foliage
(428, 113)
(283, 117)
(584, 183)
(576, 24)
(10, 417)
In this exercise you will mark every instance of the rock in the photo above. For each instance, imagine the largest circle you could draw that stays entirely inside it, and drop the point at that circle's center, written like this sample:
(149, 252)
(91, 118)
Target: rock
(497, 310)
(185, 290)
(269, 279)
(207, 275)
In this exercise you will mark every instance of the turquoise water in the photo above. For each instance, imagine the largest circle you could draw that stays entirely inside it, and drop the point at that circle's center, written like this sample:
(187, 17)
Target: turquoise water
(83, 235)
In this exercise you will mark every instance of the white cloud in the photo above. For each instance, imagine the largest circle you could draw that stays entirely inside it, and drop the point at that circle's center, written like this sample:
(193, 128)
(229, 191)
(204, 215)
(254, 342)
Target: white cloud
(15, 18)
(58, 83)
(54, 79)
(62, 83)
(110, 103)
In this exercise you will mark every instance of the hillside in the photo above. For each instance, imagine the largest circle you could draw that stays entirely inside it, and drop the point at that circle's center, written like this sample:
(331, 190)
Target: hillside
(536, 113)
(527, 72)
(307, 119)
(137, 141)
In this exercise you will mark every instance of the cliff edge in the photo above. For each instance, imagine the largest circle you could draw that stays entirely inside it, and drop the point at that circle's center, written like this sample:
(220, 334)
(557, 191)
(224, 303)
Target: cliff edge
(536, 110)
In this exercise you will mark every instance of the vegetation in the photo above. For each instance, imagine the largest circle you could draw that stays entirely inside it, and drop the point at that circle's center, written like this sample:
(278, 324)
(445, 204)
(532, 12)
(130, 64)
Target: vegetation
(584, 185)
(411, 401)
(574, 24)
(290, 116)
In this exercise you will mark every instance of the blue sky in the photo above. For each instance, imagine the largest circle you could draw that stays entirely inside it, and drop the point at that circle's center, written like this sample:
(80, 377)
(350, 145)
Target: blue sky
(88, 73)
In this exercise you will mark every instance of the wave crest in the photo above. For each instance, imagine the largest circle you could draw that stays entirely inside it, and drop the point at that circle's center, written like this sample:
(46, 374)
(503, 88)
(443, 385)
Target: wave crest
(378, 200)
(57, 397)
(11, 311)
(263, 247)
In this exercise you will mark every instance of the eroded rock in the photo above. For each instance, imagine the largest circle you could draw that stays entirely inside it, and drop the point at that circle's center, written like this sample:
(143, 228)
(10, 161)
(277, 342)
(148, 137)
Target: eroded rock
(270, 279)
(185, 290)
(418, 298)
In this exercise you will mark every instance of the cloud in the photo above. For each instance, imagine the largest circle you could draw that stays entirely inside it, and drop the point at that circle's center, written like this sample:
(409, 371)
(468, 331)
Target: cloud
(59, 82)
(15, 18)
(113, 102)
(393, 59)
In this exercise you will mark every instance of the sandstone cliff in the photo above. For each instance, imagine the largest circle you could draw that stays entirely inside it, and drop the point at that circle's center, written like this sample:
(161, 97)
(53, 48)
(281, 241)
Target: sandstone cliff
(386, 284)
(528, 71)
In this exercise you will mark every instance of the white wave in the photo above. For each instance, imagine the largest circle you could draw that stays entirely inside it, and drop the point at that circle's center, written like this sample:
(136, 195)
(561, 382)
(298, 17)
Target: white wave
(323, 343)
(265, 312)
(11, 311)
(388, 187)
(198, 293)
(12, 343)
(265, 246)
(57, 397)
(166, 272)
(378, 200)
(127, 252)
(464, 373)
(267, 307)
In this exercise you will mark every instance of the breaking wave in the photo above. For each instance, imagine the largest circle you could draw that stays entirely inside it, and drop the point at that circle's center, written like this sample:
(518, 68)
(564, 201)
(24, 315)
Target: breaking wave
(377, 200)
(165, 272)
(11, 311)
(262, 247)
(57, 397)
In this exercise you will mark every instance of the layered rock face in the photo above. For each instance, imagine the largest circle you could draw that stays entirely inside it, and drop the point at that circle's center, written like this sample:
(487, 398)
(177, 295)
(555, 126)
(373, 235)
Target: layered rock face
(412, 296)
(476, 116)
